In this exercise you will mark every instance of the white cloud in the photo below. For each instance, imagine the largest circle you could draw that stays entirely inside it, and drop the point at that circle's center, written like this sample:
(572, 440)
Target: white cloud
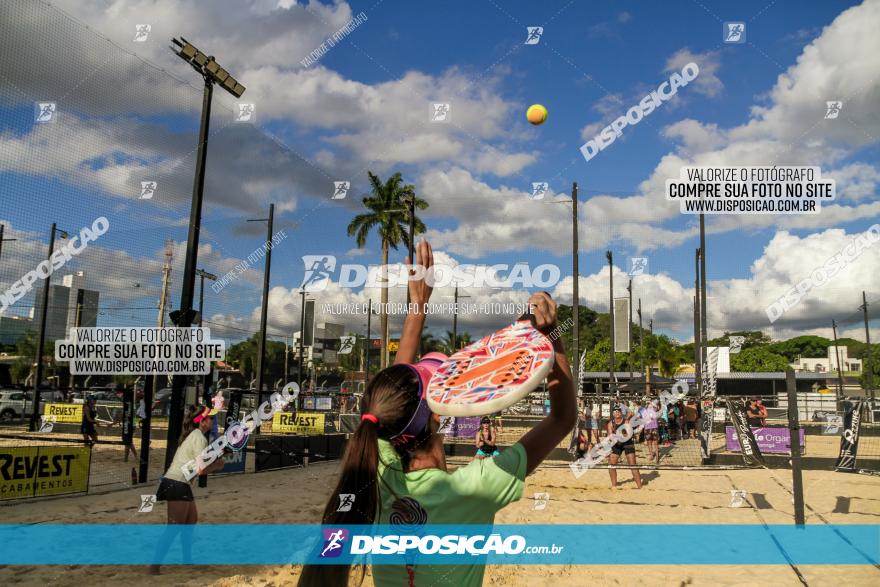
(707, 82)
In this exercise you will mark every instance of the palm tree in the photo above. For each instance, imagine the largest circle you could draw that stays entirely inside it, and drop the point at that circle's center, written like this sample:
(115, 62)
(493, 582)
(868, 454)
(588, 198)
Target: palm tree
(449, 346)
(388, 213)
(664, 353)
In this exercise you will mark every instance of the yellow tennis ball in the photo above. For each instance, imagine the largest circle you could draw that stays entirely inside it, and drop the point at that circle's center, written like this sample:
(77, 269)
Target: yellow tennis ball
(536, 114)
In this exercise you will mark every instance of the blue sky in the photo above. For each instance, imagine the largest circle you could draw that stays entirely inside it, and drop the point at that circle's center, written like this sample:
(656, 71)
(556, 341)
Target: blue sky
(365, 105)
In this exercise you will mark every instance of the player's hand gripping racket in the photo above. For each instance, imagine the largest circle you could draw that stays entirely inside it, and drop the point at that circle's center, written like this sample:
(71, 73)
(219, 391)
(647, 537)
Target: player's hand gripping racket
(493, 373)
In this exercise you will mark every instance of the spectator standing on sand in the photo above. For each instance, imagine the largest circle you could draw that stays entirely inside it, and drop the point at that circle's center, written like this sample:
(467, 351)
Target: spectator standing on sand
(753, 414)
(690, 416)
(652, 436)
(762, 410)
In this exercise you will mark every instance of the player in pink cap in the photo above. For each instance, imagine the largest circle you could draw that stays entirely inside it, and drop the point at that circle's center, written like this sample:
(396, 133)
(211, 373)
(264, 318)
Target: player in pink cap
(395, 464)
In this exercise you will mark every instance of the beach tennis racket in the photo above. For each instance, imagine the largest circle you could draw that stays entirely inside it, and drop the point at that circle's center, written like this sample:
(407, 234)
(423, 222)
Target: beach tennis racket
(493, 373)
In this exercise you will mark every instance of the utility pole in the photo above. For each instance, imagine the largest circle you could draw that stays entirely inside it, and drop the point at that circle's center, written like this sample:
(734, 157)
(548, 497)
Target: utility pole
(302, 335)
(2, 240)
(839, 371)
(651, 326)
(629, 289)
(41, 341)
(369, 338)
(610, 257)
(166, 284)
(455, 321)
(641, 341)
(286, 355)
(575, 296)
(267, 267)
(869, 378)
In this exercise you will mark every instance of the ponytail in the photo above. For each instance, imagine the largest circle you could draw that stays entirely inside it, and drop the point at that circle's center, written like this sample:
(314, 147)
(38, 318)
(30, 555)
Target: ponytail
(388, 404)
(188, 425)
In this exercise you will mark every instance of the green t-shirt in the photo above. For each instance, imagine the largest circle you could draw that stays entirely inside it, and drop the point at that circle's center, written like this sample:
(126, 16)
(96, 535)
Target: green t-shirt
(469, 495)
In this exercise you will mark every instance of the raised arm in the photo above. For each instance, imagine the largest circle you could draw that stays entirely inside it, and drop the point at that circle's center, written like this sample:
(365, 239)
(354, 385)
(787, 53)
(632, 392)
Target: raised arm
(419, 294)
(543, 438)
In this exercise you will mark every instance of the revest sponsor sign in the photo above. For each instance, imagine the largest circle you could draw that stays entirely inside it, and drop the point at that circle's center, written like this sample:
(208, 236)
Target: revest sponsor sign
(299, 423)
(36, 471)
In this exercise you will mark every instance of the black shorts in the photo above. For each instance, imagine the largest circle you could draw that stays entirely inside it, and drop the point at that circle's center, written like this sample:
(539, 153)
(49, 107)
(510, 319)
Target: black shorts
(88, 428)
(629, 447)
(691, 425)
(171, 490)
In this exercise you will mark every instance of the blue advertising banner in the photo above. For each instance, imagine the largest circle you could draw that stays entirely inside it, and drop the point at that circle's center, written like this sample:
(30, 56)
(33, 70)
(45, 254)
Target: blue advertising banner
(235, 463)
(272, 544)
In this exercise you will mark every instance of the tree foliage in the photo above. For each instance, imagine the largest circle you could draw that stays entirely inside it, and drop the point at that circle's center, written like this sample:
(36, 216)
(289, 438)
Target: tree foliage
(758, 359)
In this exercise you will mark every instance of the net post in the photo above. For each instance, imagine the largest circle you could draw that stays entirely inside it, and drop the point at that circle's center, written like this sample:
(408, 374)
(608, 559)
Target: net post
(146, 424)
(795, 436)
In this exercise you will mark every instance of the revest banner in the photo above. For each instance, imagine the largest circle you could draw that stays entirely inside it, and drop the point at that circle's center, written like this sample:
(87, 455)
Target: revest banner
(36, 471)
(69, 413)
(300, 423)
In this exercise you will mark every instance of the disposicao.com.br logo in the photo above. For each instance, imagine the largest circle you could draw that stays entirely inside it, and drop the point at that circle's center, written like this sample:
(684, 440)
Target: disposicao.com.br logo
(320, 270)
(428, 544)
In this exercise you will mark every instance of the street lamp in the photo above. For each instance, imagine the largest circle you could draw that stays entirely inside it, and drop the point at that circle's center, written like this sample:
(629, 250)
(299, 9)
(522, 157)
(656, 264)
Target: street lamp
(575, 297)
(38, 376)
(455, 320)
(302, 335)
(202, 276)
(211, 73)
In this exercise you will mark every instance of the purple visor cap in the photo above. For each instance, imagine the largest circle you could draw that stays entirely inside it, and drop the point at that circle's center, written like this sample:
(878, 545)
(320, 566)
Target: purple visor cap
(419, 421)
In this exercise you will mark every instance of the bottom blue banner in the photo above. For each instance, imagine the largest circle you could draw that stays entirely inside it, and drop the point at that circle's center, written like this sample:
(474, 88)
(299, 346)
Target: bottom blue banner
(139, 544)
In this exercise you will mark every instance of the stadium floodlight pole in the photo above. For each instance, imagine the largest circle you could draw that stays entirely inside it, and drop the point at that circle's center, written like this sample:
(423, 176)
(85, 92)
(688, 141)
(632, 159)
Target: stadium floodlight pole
(2, 240)
(41, 340)
(869, 377)
(610, 257)
(211, 73)
(267, 267)
(839, 370)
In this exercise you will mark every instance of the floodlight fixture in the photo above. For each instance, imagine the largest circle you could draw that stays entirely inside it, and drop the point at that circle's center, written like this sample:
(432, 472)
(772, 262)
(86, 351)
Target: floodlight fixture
(207, 66)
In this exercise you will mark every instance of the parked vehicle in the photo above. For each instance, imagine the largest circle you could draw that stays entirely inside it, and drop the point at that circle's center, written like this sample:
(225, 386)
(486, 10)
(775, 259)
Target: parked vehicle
(16, 405)
(161, 401)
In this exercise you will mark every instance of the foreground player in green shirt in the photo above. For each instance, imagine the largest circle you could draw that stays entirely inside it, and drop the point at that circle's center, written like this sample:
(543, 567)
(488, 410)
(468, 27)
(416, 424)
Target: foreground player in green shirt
(395, 465)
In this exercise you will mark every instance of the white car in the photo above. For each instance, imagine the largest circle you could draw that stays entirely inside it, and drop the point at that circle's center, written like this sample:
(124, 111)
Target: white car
(16, 404)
